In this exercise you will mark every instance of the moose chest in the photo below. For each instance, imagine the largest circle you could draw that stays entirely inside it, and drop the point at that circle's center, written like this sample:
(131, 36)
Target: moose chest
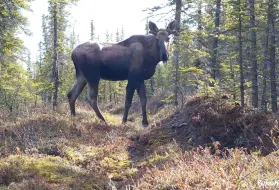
(147, 72)
(142, 72)
(144, 69)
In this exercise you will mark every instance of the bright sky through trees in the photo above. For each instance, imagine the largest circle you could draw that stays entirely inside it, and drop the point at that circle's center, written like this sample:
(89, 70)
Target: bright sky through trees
(107, 15)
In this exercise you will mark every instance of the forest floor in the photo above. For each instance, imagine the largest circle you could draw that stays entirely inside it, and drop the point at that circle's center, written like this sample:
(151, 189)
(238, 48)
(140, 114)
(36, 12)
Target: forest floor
(210, 143)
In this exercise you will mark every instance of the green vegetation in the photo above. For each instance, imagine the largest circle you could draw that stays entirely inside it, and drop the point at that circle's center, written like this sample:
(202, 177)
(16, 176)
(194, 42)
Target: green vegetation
(51, 151)
(212, 107)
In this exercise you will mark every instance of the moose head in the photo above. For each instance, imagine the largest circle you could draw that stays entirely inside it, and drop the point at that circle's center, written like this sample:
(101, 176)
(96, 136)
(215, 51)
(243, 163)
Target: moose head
(162, 36)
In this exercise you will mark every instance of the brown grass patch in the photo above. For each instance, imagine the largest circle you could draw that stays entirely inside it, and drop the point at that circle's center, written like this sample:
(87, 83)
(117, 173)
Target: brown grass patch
(49, 150)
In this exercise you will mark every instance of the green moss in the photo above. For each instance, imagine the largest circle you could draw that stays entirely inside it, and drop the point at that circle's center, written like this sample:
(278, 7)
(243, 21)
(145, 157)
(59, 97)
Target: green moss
(53, 169)
(155, 159)
(82, 154)
(129, 172)
(73, 154)
(117, 177)
(119, 161)
(113, 119)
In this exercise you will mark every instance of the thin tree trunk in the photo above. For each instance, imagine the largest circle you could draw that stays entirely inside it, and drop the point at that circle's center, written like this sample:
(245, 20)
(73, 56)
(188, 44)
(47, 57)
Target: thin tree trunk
(232, 75)
(199, 43)
(115, 98)
(240, 47)
(49, 97)
(110, 92)
(55, 57)
(152, 81)
(178, 6)
(254, 71)
(264, 93)
(272, 57)
(265, 72)
(215, 65)
(176, 75)
(119, 93)
(105, 92)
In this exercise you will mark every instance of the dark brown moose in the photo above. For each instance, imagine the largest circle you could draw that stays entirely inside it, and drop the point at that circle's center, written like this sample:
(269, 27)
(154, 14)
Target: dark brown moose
(133, 59)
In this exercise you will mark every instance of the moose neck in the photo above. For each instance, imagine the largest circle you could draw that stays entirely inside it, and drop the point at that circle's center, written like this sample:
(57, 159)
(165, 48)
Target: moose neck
(152, 50)
(151, 47)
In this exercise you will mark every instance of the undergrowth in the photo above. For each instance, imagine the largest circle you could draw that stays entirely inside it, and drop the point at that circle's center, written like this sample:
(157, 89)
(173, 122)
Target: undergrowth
(208, 144)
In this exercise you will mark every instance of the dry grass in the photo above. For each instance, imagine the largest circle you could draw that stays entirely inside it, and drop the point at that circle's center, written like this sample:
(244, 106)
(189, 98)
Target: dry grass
(202, 170)
(46, 150)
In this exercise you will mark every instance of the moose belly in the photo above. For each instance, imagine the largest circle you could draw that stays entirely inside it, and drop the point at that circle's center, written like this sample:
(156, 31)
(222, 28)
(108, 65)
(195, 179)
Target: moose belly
(114, 72)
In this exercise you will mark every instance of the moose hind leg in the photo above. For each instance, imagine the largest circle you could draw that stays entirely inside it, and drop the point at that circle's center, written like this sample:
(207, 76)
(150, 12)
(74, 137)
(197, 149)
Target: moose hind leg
(75, 91)
(142, 95)
(93, 100)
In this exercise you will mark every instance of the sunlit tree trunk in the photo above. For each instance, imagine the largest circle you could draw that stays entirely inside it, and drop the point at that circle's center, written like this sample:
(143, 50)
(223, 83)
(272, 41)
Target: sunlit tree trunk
(240, 54)
(265, 72)
(178, 6)
(55, 76)
(254, 70)
(272, 57)
(215, 65)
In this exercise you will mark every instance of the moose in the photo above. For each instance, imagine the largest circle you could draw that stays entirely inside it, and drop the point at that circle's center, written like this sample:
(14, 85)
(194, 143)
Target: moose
(133, 59)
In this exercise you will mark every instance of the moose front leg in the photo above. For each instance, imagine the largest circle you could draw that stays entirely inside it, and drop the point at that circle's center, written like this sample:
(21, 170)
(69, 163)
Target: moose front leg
(142, 95)
(130, 90)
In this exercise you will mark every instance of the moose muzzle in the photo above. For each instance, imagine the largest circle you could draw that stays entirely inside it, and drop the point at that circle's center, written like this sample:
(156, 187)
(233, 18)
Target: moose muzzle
(164, 56)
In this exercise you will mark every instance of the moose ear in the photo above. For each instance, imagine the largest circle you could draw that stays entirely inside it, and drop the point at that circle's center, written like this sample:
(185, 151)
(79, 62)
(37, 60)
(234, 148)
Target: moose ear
(153, 29)
(171, 27)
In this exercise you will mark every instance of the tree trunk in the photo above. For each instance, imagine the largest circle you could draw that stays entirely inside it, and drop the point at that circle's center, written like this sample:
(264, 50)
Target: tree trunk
(105, 92)
(199, 37)
(215, 65)
(272, 57)
(110, 92)
(240, 45)
(178, 5)
(264, 93)
(232, 75)
(55, 76)
(254, 71)
(92, 34)
(49, 97)
(152, 81)
(265, 71)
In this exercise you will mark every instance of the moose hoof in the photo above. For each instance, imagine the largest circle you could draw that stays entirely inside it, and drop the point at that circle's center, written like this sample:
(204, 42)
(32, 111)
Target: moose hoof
(145, 123)
(123, 122)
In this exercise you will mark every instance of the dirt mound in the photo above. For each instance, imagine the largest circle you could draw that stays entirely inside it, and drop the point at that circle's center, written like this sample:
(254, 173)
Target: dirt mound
(215, 121)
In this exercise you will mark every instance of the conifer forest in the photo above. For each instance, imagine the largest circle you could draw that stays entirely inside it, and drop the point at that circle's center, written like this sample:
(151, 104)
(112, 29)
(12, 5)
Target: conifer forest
(190, 101)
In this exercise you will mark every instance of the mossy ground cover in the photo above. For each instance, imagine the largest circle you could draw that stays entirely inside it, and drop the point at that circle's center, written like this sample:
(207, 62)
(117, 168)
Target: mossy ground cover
(47, 150)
